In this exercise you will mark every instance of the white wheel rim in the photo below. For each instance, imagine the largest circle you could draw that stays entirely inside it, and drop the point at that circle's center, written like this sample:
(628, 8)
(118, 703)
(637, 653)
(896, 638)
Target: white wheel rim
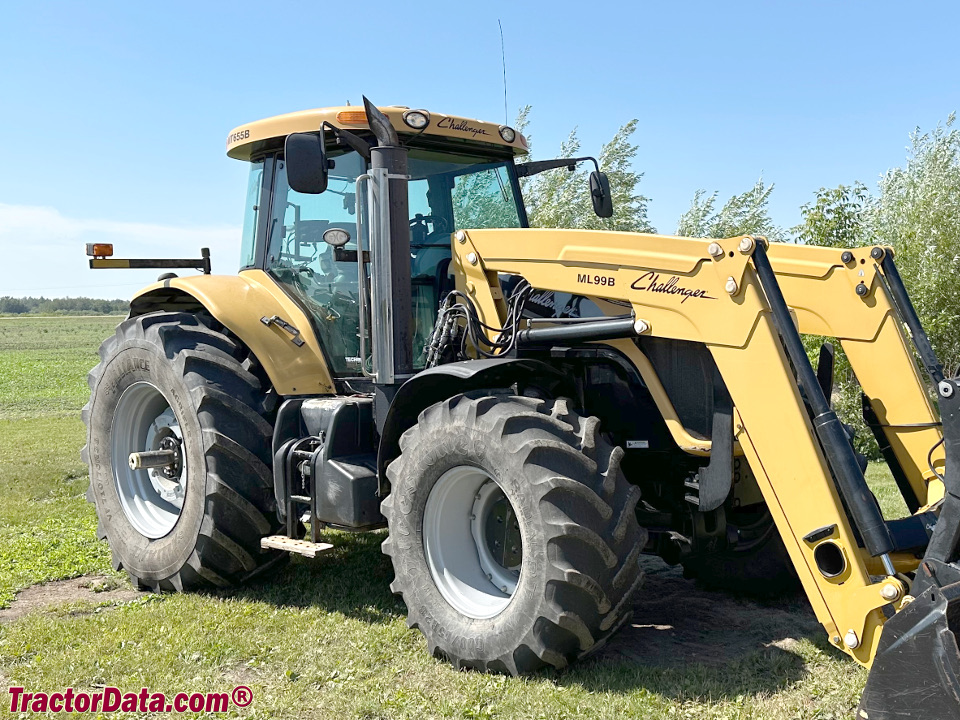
(472, 542)
(151, 501)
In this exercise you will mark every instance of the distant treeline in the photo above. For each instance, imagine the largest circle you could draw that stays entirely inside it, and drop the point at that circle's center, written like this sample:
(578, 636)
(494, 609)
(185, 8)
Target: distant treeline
(61, 306)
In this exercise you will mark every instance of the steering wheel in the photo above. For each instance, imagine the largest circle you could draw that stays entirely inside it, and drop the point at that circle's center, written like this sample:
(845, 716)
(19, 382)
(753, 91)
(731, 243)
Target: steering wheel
(419, 223)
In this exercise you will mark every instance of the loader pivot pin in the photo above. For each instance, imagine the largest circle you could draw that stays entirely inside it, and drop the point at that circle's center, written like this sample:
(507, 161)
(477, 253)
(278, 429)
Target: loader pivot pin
(889, 592)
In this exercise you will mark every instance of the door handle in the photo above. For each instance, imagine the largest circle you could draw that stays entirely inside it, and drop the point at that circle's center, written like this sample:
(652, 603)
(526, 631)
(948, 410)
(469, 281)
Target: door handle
(284, 325)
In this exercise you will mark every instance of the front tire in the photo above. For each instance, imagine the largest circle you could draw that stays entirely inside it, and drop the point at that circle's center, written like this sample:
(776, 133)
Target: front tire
(171, 378)
(491, 595)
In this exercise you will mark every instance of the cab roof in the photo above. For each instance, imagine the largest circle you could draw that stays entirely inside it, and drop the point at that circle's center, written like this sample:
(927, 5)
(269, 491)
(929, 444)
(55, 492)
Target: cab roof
(251, 139)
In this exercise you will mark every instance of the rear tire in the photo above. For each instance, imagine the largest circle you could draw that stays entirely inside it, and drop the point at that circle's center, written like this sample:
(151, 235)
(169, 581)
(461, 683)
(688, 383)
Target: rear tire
(206, 531)
(576, 517)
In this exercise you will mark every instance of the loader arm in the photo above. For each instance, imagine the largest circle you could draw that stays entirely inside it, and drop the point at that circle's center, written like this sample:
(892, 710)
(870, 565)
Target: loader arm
(822, 289)
(710, 292)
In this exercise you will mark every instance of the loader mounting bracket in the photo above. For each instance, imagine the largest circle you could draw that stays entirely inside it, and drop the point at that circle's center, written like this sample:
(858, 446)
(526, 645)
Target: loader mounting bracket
(711, 485)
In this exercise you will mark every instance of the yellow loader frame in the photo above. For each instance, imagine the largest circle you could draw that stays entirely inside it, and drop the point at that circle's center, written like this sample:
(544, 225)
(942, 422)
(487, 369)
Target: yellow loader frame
(708, 291)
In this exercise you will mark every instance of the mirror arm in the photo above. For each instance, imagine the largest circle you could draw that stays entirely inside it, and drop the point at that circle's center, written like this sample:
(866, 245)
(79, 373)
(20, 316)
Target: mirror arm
(538, 166)
(345, 137)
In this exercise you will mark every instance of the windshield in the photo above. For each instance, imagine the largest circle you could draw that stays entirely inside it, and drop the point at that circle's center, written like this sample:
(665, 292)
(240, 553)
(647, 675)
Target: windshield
(249, 237)
(446, 192)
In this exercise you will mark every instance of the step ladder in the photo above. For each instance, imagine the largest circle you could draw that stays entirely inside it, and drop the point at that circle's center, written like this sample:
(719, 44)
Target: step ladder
(300, 547)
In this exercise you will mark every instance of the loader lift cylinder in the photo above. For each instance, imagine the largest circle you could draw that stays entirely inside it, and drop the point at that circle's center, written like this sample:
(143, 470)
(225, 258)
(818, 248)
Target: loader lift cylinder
(836, 446)
(909, 314)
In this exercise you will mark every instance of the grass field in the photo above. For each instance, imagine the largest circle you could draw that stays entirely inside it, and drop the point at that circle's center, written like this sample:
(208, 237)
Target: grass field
(325, 638)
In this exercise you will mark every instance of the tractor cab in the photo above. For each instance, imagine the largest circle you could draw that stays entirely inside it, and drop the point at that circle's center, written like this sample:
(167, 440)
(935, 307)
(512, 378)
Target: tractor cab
(461, 175)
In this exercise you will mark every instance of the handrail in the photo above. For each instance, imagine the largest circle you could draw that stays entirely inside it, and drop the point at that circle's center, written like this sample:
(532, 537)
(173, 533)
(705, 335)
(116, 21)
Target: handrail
(362, 277)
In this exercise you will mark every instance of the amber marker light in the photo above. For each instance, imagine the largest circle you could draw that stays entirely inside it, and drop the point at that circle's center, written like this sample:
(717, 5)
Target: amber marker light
(352, 117)
(100, 250)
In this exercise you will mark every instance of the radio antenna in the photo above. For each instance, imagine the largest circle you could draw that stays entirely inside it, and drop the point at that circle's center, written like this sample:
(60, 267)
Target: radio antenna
(503, 60)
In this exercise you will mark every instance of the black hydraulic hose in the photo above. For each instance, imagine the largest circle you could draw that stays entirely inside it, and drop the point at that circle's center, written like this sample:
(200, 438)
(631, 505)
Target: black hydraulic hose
(909, 316)
(836, 446)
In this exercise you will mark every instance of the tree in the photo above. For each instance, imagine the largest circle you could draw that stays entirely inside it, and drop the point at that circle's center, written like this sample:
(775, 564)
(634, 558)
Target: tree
(918, 214)
(561, 198)
(13, 305)
(837, 218)
(744, 214)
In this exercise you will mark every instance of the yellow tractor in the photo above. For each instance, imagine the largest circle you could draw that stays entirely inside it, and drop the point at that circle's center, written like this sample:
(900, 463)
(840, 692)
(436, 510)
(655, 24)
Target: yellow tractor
(526, 410)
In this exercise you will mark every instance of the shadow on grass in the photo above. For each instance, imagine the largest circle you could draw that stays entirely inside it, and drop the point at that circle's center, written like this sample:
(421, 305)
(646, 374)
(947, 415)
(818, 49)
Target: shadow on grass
(352, 579)
(682, 642)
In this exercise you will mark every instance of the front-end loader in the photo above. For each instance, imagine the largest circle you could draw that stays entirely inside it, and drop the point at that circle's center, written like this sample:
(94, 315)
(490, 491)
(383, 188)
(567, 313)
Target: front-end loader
(526, 410)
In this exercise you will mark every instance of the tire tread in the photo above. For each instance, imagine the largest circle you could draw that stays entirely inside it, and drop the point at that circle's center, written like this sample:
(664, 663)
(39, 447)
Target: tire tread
(232, 404)
(586, 504)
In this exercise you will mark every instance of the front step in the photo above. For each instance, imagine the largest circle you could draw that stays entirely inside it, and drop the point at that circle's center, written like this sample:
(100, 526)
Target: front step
(301, 547)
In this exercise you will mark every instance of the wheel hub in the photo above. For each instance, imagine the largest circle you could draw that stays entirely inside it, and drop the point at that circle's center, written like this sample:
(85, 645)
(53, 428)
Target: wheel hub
(151, 496)
(164, 434)
(472, 542)
(496, 531)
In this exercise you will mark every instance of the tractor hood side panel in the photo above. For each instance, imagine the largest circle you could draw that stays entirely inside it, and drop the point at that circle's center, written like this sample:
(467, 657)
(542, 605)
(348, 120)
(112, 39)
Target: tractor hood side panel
(239, 302)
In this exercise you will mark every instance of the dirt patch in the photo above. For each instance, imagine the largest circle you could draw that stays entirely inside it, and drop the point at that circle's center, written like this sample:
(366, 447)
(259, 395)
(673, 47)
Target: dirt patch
(241, 675)
(677, 623)
(88, 588)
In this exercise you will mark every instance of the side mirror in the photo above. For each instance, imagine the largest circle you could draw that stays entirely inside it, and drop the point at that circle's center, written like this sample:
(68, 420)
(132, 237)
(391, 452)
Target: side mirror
(600, 194)
(306, 158)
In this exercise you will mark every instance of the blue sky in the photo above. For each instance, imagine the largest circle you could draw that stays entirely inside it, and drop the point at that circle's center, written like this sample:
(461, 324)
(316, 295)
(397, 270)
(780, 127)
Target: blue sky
(114, 115)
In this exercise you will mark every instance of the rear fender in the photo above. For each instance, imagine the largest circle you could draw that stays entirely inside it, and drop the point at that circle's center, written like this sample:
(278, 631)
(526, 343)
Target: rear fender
(436, 385)
(239, 302)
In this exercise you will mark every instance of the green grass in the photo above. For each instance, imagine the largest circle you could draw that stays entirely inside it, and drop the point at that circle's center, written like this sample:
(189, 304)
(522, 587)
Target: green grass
(324, 638)
(44, 363)
(885, 488)
(47, 529)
